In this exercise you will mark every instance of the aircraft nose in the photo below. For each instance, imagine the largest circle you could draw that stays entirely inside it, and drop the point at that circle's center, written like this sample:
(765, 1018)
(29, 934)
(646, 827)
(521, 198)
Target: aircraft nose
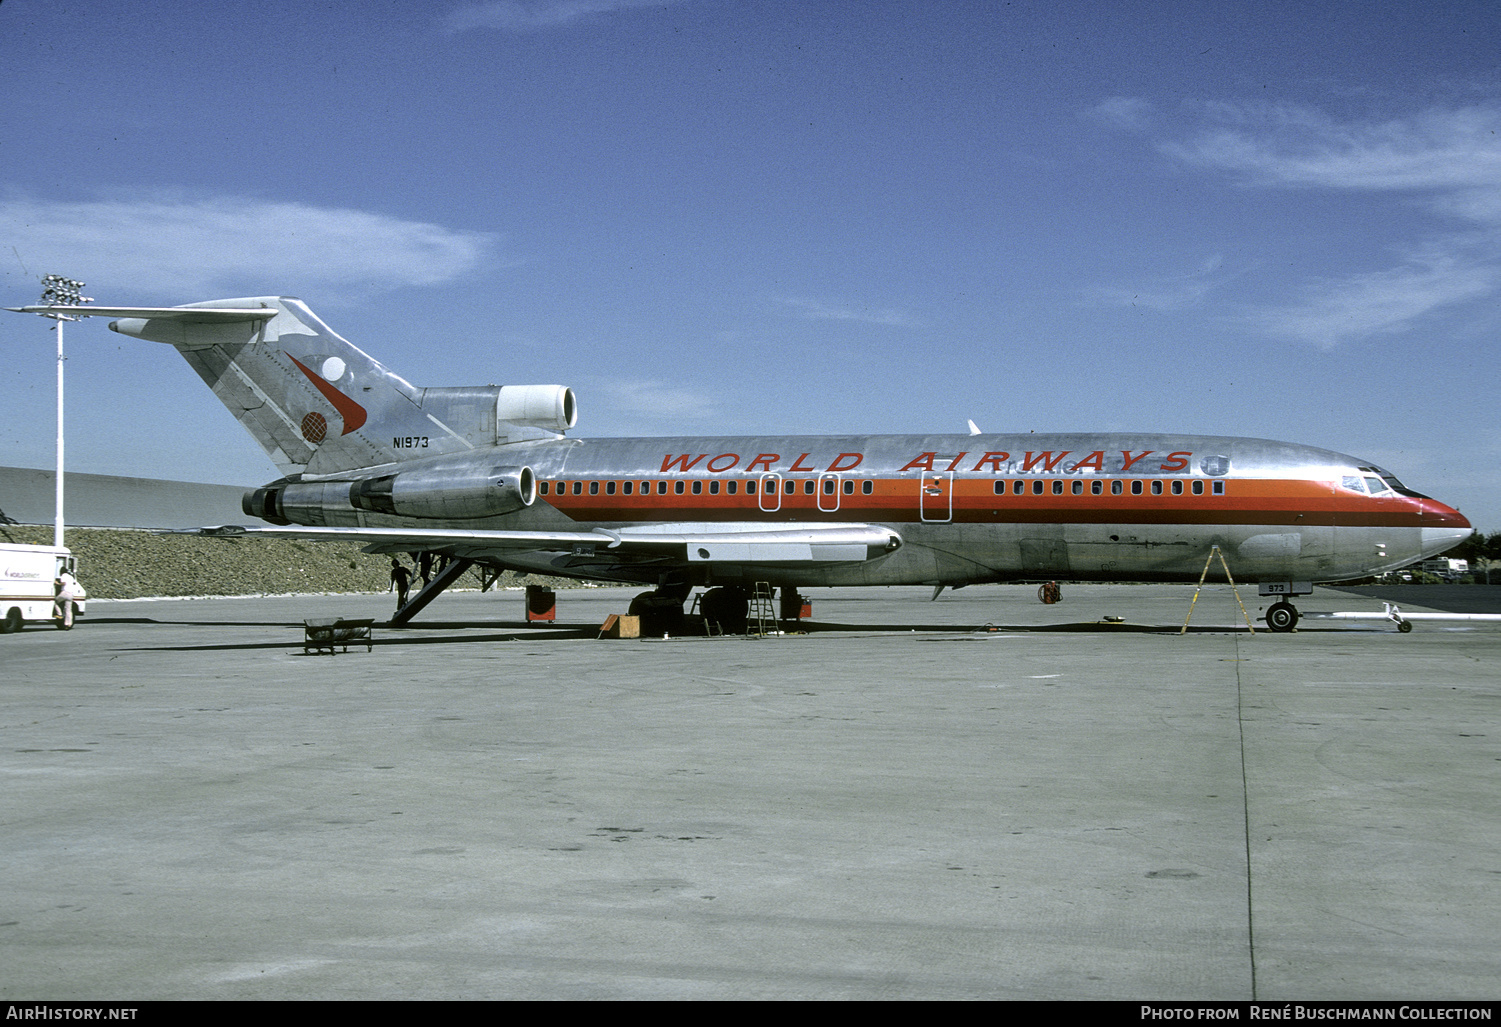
(1434, 514)
(1443, 526)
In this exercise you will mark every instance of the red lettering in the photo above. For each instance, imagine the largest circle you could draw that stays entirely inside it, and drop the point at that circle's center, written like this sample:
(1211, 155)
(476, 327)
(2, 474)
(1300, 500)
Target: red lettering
(994, 460)
(1130, 460)
(923, 460)
(764, 460)
(1176, 461)
(682, 463)
(840, 465)
(1095, 460)
(733, 458)
(798, 465)
(1046, 458)
(955, 462)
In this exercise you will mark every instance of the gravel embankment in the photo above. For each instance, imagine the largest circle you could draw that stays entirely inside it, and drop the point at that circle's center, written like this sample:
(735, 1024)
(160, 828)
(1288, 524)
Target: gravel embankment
(116, 564)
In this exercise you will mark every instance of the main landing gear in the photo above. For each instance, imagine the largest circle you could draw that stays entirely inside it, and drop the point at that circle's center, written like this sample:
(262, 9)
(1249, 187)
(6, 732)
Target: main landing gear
(661, 611)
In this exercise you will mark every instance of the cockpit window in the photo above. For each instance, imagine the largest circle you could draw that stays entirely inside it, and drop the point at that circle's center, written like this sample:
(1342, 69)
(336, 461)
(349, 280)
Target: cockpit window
(1390, 481)
(1352, 482)
(1376, 486)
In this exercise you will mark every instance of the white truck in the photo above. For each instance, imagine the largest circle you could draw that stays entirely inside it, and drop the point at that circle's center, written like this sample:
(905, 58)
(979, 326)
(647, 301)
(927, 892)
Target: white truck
(28, 576)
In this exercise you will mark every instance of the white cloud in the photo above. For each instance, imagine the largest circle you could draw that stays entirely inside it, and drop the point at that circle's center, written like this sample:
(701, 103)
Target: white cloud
(1170, 292)
(535, 15)
(1356, 306)
(1126, 112)
(815, 310)
(1437, 150)
(199, 246)
(634, 400)
(1449, 161)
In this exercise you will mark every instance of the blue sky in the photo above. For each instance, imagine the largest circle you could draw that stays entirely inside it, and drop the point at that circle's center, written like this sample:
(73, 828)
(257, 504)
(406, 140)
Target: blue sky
(1279, 220)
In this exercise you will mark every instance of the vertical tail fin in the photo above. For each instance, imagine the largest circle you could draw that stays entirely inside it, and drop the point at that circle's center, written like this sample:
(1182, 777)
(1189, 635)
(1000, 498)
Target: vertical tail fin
(316, 404)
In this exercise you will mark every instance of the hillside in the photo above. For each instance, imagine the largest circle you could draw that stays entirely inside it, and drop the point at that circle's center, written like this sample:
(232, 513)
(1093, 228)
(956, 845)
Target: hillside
(117, 564)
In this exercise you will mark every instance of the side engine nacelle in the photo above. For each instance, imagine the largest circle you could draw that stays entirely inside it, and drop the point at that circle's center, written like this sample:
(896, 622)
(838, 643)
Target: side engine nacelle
(432, 494)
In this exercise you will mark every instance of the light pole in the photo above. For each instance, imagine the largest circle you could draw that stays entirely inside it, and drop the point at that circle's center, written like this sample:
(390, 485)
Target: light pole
(61, 292)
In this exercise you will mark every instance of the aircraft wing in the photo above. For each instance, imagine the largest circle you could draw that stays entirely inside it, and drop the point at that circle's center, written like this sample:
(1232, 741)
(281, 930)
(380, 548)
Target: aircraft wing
(721, 542)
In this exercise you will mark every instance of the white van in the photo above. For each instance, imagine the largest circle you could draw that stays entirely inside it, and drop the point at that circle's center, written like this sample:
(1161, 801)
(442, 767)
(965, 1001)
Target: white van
(27, 574)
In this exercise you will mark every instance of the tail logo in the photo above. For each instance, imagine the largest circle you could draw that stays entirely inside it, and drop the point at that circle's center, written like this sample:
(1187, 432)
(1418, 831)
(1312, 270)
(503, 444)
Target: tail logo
(315, 427)
(353, 414)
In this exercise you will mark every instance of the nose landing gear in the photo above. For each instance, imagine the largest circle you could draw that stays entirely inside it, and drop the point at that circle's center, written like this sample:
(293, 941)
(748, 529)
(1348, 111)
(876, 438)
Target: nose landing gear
(1282, 616)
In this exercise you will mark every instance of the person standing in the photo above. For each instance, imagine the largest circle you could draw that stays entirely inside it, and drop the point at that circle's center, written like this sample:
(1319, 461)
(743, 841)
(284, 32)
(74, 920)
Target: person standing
(62, 601)
(401, 581)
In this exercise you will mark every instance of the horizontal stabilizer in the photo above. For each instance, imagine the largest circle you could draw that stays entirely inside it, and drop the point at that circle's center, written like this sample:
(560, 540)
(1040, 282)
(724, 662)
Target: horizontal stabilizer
(189, 315)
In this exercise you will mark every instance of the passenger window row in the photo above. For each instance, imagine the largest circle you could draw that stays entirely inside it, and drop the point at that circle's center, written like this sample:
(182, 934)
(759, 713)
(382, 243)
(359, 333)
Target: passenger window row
(1017, 487)
(696, 487)
(1057, 486)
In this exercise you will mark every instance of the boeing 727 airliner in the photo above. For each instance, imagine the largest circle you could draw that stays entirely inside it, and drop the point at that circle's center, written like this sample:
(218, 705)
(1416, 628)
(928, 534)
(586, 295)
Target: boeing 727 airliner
(487, 476)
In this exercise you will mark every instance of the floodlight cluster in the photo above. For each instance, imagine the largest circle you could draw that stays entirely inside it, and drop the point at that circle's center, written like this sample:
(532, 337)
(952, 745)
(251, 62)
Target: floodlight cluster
(63, 292)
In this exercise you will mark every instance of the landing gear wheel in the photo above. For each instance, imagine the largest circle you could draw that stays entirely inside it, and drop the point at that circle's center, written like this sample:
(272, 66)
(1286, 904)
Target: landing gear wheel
(1404, 626)
(660, 615)
(12, 622)
(726, 608)
(1282, 616)
(1049, 593)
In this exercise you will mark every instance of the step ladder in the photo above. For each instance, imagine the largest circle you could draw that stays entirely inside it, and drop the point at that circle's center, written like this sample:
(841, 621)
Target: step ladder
(1213, 552)
(761, 619)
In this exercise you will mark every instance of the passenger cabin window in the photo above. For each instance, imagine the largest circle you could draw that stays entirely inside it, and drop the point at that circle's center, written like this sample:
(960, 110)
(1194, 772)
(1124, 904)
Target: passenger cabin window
(730, 487)
(609, 488)
(661, 488)
(999, 488)
(1136, 487)
(1018, 487)
(849, 486)
(867, 486)
(626, 487)
(750, 488)
(1156, 488)
(594, 488)
(1115, 488)
(1177, 488)
(1096, 487)
(578, 488)
(1037, 487)
(790, 487)
(1057, 487)
(808, 487)
(1198, 486)
(1078, 488)
(542, 487)
(677, 488)
(714, 488)
(698, 487)
(1219, 488)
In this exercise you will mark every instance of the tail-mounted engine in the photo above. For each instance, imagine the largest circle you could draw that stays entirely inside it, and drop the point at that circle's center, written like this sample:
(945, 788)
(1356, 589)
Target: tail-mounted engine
(432, 494)
(491, 415)
(551, 407)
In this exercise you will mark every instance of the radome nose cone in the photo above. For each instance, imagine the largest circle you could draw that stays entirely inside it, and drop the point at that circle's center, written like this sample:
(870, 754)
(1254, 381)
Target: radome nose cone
(1437, 515)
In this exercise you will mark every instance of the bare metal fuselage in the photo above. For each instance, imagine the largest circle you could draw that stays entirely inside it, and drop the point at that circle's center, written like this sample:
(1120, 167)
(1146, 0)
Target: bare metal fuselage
(967, 509)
